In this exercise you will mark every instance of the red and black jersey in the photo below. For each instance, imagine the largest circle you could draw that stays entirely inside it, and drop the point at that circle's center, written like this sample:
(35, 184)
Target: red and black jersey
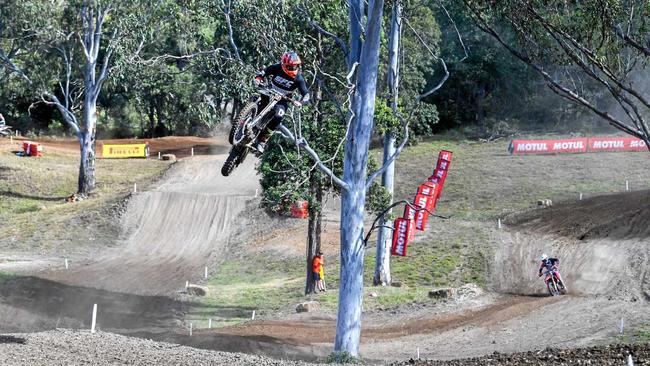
(548, 264)
(285, 83)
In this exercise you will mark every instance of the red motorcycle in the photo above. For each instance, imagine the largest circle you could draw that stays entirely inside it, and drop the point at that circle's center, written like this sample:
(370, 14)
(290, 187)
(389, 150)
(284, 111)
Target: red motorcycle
(554, 282)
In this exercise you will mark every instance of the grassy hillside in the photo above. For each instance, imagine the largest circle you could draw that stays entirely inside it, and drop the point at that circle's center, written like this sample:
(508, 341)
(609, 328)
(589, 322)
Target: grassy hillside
(485, 182)
(40, 185)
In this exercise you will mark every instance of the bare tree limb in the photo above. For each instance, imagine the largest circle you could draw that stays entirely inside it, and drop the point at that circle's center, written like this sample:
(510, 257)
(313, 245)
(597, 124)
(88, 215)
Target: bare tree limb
(389, 208)
(305, 146)
(226, 11)
(554, 84)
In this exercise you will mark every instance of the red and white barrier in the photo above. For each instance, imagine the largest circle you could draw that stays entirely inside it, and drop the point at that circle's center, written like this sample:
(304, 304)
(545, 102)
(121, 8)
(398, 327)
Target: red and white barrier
(416, 215)
(577, 145)
(616, 144)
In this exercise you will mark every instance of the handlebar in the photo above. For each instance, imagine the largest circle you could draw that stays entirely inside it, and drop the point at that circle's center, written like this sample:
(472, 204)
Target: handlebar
(265, 89)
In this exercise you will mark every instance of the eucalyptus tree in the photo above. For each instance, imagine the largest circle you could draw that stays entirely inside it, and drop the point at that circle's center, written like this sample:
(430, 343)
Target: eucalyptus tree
(593, 53)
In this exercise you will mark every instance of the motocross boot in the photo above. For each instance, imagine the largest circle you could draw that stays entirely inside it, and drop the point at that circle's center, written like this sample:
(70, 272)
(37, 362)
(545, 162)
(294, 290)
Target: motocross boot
(260, 144)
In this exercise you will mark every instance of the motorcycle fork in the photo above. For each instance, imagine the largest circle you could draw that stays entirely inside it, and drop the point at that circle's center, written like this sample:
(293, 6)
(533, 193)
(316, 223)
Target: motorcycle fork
(256, 123)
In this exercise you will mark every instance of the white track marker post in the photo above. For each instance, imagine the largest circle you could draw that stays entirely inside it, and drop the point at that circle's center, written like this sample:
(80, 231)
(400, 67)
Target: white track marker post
(205, 274)
(418, 352)
(66, 263)
(190, 329)
(187, 284)
(94, 321)
(627, 185)
(159, 156)
(192, 151)
(256, 192)
(580, 196)
(621, 326)
(210, 323)
(499, 223)
(135, 187)
(253, 316)
(630, 361)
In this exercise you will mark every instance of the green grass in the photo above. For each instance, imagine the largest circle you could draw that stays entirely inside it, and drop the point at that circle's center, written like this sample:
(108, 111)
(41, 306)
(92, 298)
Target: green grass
(637, 334)
(484, 182)
(32, 198)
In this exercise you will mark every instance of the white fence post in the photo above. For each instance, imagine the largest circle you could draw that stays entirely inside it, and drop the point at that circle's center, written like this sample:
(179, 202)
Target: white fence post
(627, 185)
(135, 187)
(253, 316)
(418, 353)
(190, 329)
(209, 323)
(159, 156)
(66, 263)
(94, 321)
(499, 223)
(621, 326)
(192, 151)
(580, 196)
(206, 273)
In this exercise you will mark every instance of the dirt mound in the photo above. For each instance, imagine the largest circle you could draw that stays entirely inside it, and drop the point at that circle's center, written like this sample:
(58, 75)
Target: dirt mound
(608, 355)
(614, 216)
(601, 243)
(171, 231)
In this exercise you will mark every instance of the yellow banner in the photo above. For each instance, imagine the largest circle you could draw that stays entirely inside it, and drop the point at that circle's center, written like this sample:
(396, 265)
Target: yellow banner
(125, 151)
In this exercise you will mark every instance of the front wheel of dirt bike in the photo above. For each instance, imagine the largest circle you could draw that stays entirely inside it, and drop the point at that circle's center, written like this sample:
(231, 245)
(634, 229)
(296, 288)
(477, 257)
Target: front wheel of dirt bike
(235, 157)
(237, 130)
(552, 288)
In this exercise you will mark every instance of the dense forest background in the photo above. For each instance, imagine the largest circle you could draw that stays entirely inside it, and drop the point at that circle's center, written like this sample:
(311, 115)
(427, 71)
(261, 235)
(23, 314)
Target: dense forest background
(175, 70)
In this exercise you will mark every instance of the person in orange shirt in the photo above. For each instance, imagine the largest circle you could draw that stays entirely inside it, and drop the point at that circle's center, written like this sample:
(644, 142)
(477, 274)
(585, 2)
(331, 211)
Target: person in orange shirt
(318, 272)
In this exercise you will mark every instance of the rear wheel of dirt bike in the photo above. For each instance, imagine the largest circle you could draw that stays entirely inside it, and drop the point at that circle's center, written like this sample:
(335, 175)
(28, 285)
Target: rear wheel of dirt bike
(247, 113)
(236, 157)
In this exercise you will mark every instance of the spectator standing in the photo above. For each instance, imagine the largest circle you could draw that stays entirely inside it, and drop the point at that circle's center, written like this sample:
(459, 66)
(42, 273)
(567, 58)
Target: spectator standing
(318, 271)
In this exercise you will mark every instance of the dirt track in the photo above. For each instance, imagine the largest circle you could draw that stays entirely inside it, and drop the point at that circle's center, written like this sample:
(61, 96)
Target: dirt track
(171, 231)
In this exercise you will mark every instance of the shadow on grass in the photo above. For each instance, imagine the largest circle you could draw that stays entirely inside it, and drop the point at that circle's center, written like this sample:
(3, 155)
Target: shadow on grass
(31, 197)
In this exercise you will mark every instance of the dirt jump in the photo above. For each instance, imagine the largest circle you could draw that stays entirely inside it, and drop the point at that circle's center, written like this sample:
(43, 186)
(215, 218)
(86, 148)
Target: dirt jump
(171, 232)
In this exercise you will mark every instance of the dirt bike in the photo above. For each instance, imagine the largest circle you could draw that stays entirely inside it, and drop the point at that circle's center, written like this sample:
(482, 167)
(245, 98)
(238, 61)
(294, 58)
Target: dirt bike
(248, 126)
(554, 283)
(5, 130)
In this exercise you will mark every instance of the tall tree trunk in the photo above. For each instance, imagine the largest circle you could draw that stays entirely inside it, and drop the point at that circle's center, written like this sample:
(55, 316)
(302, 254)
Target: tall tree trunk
(151, 112)
(348, 326)
(86, 181)
(314, 230)
(315, 186)
(479, 98)
(382, 262)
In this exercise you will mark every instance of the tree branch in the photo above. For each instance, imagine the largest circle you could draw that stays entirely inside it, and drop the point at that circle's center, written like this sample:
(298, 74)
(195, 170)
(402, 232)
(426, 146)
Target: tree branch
(305, 146)
(387, 209)
(68, 116)
(226, 11)
(555, 85)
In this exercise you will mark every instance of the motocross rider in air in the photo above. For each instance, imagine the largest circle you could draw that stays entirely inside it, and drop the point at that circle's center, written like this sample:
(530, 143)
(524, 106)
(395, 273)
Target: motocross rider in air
(550, 264)
(285, 77)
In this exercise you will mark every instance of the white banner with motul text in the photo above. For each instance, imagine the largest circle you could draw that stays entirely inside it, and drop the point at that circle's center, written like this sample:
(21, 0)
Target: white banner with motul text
(577, 145)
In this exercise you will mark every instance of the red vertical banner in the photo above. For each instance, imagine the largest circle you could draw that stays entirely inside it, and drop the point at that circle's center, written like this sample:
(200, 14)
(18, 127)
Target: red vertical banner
(401, 236)
(421, 216)
(438, 176)
(430, 190)
(445, 155)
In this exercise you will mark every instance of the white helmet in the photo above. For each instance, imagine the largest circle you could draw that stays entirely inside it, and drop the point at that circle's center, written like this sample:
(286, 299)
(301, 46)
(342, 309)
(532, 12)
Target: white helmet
(543, 257)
